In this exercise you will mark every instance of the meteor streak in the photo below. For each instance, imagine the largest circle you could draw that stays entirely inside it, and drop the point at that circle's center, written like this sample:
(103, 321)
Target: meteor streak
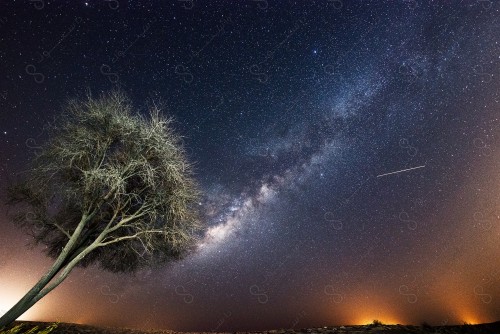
(399, 171)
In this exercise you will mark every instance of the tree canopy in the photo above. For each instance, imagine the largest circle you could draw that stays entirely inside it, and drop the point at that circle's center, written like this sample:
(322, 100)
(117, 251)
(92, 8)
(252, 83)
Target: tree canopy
(120, 180)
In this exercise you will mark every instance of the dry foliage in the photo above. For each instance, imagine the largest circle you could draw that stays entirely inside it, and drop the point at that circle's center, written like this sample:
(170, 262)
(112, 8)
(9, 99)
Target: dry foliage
(115, 184)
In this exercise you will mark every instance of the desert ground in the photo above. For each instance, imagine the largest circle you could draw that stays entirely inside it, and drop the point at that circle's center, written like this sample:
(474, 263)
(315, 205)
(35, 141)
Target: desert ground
(30, 327)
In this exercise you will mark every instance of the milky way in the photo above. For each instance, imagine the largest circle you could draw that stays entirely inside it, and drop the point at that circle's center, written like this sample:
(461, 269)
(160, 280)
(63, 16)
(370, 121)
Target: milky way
(347, 154)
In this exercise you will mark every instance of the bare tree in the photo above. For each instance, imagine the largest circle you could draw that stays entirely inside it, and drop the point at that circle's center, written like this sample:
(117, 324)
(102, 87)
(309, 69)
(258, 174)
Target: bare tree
(108, 187)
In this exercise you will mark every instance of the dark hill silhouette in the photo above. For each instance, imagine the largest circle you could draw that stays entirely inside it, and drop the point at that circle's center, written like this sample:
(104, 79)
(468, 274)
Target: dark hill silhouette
(375, 328)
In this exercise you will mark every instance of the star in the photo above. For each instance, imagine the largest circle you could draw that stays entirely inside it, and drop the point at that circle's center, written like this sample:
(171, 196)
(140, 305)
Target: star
(313, 173)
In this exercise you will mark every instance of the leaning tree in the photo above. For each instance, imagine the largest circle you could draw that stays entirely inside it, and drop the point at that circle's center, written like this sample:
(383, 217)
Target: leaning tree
(108, 187)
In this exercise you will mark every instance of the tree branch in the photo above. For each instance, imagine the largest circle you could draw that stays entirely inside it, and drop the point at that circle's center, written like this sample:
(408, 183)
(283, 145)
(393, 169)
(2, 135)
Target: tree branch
(66, 233)
(128, 237)
(135, 215)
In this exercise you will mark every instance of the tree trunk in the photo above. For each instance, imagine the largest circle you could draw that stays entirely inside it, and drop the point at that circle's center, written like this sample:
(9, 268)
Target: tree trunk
(33, 295)
(41, 289)
(23, 305)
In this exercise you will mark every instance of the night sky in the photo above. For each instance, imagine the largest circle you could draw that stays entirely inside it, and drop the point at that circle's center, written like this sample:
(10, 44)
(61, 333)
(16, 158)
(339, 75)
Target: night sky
(296, 114)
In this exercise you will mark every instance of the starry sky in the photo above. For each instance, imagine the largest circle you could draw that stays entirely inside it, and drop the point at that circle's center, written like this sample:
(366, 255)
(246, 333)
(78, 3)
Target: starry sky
(347, 152)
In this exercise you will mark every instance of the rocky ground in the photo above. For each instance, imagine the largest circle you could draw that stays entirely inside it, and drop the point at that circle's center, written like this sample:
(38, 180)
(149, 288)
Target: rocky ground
(65, 328)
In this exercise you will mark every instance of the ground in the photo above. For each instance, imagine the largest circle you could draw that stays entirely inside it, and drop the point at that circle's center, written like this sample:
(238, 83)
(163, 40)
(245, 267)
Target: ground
(21, 327)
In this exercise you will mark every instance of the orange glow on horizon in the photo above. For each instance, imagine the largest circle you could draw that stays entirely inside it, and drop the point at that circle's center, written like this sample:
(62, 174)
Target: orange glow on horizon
(360, 311)
(469, 318)
(14, 286)
(10, 297)
(384, 320)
